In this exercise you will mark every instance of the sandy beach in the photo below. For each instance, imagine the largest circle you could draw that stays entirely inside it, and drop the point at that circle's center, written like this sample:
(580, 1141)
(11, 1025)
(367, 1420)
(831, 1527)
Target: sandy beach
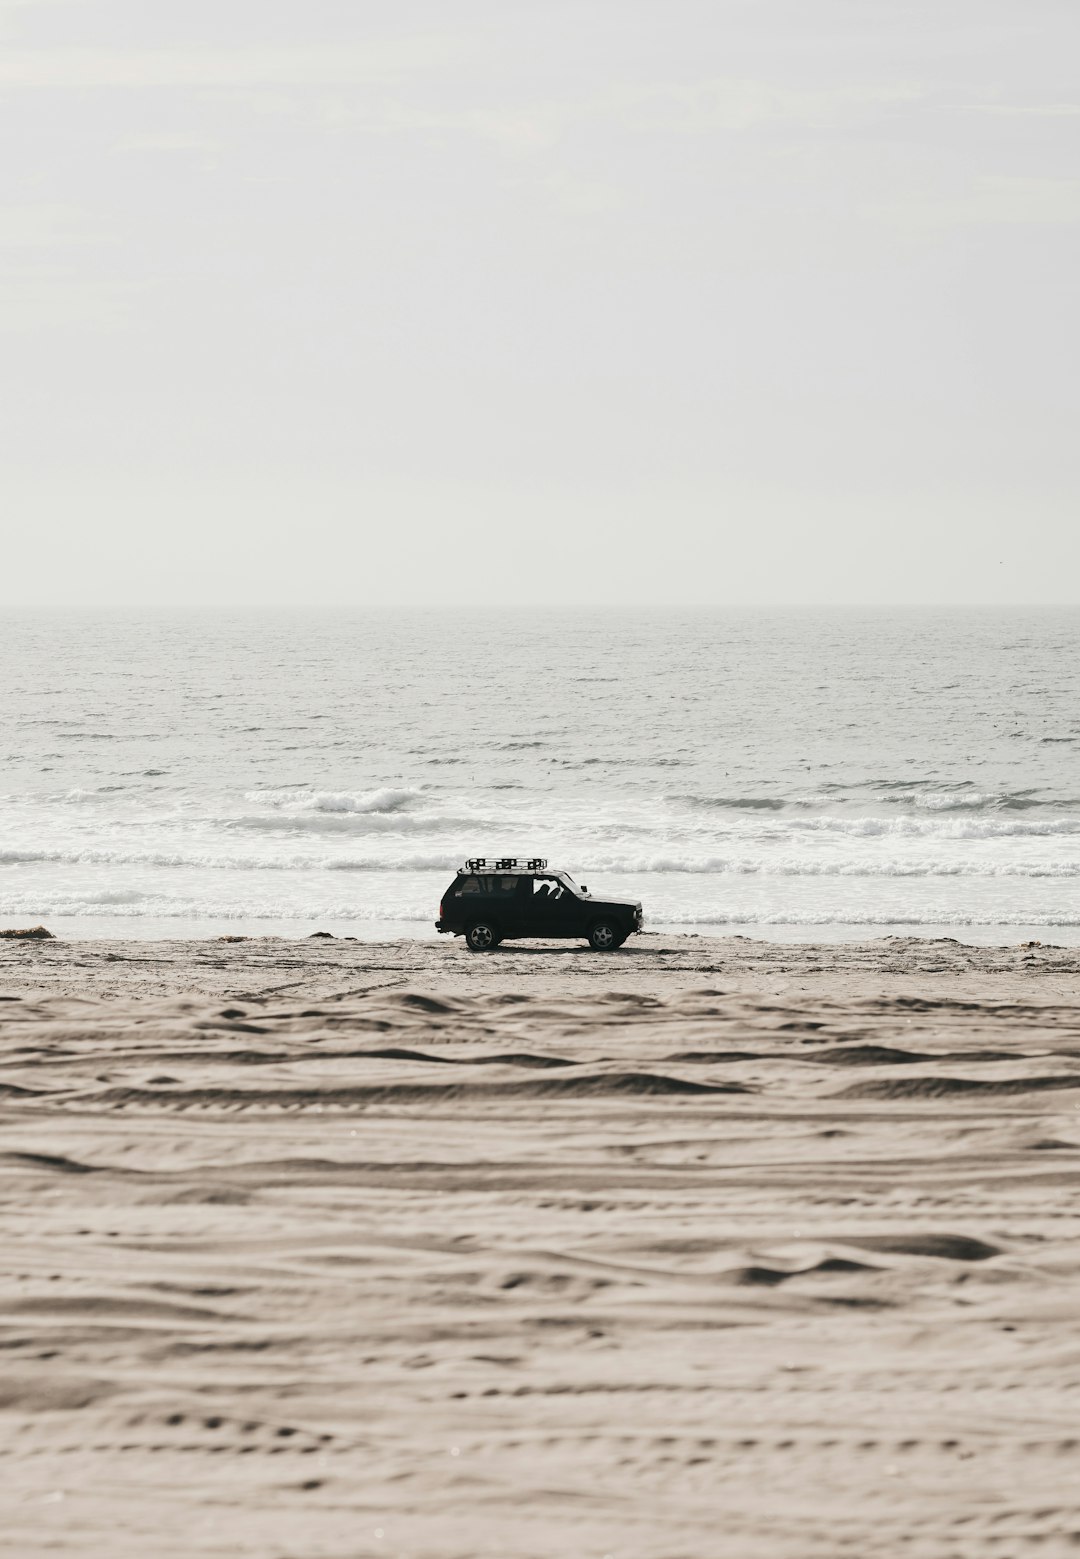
(319, 1248)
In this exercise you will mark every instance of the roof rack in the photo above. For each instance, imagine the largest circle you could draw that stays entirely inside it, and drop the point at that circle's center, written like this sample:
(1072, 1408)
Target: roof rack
(506, 863)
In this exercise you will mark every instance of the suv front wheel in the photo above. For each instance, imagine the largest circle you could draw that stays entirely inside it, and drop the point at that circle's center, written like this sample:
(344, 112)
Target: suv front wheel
(482, 937)
(605, 937)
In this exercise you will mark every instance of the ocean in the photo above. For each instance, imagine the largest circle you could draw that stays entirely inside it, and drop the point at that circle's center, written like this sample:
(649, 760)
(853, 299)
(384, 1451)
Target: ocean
(794, 773)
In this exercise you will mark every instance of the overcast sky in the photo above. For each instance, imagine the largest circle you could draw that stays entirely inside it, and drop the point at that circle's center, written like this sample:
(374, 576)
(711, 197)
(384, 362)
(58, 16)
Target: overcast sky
(614, 300)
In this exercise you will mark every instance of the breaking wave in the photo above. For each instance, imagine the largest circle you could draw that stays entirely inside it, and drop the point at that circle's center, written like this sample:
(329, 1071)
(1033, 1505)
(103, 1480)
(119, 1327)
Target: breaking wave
(377, 802)
(923, 796)
(609, 865)
(961, 800)
(734, 803)
(346, 822)
(939, 828)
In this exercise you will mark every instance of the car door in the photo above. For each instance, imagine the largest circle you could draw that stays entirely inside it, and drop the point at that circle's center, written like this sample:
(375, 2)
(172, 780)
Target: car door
(553, 908)
(505, 903)
(470, 901)
(570, 911)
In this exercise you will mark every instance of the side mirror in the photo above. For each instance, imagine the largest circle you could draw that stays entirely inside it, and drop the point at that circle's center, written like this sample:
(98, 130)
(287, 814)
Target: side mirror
(584, 889)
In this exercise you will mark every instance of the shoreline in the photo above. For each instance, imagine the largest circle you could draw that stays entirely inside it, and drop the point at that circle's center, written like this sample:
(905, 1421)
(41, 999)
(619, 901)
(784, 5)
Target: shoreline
(146, 928)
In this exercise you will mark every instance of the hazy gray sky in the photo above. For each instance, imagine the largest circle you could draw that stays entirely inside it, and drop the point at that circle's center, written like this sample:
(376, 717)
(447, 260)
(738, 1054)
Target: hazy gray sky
(612, 300)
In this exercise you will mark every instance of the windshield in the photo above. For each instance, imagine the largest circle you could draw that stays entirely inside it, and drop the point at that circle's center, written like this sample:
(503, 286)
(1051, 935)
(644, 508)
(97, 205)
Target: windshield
(568, 881)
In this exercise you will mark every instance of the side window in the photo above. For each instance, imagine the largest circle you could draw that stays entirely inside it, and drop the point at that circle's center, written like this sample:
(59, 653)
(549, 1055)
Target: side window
(546, 888)
(471, 885)
(491, 885)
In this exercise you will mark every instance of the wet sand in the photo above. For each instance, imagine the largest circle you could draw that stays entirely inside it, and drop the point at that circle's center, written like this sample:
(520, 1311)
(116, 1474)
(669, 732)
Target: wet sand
(708, 1247)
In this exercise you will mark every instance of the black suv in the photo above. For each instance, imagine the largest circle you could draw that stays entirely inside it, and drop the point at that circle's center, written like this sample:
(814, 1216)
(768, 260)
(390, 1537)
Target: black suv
(491, 900)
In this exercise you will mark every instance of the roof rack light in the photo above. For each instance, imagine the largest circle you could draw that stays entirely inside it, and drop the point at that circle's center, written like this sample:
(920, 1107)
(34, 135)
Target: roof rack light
(506, 863)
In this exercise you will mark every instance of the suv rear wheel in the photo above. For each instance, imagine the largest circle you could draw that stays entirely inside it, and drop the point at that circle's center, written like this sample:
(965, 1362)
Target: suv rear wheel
(605, 936)
(482, 936)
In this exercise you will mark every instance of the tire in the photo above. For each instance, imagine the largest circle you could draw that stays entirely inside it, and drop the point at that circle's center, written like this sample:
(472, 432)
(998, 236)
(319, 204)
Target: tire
(605, 936)
(482, 937)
